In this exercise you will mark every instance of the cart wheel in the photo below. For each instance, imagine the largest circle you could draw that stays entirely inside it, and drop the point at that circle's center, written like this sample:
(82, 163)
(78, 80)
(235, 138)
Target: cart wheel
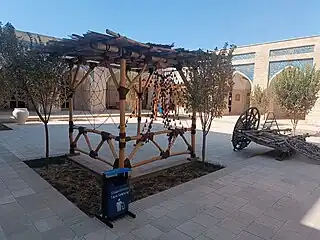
(249, 120)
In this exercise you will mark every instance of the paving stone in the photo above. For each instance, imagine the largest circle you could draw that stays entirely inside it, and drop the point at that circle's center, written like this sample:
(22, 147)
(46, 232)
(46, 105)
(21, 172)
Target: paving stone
(270, 222)
(214, 197)
(171, 204)
(11, 213)
(47, 223)
(124, 226)
(279, 215)
(215, 185)
(174, 234)
(247, 236)
(60, 232)
(157, 211)
(2, 234)
(205, 189)
(127, 236)
(40, 214)
(288, 235)
(242, 217)
(228, 190)
(192, 228)
(217, 213)
(15, 225)
(72, 216)
(184, 213)
(232, 225)
(227, 206)
(142, 218)
(101, 234)
(147, 232)
(315, 235)
(165, 224)
(260, 230)
(252, 210)
(263, 203)
(218, 233)
(202, 237)
(29, 233)
(296, 226)
(205, 220)
(236, 201)
(7, 199)
(85, 227)
(23, 192)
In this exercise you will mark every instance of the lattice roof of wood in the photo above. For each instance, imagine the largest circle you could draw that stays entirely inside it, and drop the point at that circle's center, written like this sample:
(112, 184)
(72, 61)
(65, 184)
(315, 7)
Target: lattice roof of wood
(111, 47)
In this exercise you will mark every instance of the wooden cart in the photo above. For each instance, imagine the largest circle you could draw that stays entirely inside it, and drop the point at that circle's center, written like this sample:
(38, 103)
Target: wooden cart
(247, 130)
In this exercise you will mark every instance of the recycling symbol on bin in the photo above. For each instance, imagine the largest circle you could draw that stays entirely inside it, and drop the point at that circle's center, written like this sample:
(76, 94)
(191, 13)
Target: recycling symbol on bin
(120, 205)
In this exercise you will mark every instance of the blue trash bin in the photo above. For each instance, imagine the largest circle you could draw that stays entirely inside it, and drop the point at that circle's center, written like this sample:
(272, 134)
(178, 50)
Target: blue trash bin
(115, 195)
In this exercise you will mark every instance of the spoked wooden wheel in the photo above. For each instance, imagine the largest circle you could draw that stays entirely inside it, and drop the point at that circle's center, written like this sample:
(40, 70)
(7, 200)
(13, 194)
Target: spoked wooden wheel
(249, 120)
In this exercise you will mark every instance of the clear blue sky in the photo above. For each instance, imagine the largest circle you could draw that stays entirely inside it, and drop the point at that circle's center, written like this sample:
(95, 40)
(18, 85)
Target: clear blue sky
(190, 23)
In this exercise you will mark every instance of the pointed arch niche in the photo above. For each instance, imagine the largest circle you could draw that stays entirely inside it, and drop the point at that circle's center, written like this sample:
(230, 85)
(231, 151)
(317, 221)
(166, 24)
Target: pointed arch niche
(275, 68)
(239, 98)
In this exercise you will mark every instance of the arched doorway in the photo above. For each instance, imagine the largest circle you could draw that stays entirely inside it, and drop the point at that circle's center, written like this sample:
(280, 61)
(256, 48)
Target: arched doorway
(112, 95)
(82, 95)
(239, 98)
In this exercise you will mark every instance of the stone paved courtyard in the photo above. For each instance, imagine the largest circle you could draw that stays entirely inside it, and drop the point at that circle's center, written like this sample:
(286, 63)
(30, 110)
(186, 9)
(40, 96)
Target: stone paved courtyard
(253, 198)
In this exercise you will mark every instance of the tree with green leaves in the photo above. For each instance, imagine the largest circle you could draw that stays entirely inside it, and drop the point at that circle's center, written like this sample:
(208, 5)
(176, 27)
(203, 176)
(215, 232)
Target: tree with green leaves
(209, 83)
(33, 72)
(296, 90)
(260, 99)
(8, 46)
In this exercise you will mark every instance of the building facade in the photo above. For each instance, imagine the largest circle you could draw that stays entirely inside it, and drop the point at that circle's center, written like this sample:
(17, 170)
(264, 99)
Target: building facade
(260, 64)
(257, 64)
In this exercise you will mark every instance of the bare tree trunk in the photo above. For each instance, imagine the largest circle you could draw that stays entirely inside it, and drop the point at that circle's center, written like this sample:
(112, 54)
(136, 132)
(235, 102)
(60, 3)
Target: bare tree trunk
(204, 142)
(46, 130)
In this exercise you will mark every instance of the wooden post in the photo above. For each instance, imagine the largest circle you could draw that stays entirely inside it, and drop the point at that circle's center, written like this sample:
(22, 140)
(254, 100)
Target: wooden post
(122, 105)
(193, 134)
(139, 106)
(72, 78)
(71, 145)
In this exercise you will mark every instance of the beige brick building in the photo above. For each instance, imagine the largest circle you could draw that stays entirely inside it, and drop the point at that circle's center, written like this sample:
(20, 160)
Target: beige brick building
(256, 64)
(259, 64)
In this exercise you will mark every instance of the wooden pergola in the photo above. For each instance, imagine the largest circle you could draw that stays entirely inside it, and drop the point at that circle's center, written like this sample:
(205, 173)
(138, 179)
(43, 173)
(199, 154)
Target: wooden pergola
(111, 50)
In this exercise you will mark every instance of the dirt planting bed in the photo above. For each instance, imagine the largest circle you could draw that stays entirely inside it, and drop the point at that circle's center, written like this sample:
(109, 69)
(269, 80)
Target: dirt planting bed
(83, 187)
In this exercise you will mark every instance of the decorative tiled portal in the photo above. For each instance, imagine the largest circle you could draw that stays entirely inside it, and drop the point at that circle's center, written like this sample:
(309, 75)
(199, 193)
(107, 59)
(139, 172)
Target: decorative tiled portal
(246, 69)
(244, 56)
(275, 67)
(291, 51)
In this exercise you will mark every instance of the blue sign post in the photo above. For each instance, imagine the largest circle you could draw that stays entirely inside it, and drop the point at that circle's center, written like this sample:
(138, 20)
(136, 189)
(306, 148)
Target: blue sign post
(115, 195)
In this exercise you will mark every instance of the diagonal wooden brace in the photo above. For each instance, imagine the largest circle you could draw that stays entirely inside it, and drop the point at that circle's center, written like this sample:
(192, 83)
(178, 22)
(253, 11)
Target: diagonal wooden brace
(138, 76)
(113, 76)
(84, 77)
